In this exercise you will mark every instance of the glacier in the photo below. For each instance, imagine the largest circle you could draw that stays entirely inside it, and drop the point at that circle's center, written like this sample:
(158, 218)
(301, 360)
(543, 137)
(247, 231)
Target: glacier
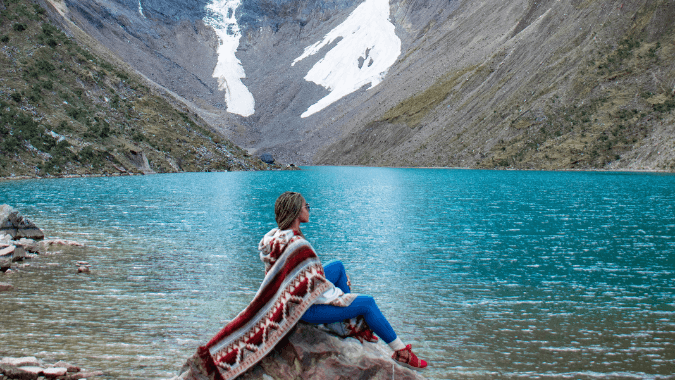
(229, 71)
(368, 47)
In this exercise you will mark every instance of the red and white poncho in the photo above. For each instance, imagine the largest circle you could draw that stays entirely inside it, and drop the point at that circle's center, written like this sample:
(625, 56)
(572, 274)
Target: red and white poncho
(294, 281)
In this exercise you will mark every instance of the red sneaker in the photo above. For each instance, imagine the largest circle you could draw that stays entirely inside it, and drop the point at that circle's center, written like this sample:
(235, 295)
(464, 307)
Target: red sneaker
(407, 358)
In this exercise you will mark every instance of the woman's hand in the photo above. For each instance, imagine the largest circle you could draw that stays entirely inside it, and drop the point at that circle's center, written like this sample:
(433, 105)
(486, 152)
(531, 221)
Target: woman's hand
(349, 283)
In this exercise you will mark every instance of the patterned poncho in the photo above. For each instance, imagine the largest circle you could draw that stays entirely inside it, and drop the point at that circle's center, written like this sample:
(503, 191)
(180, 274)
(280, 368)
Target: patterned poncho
(294, 280)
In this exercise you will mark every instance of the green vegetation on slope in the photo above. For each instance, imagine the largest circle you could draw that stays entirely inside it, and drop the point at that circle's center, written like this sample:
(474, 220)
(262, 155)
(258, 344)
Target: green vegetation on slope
(618, 104)
(65, 111)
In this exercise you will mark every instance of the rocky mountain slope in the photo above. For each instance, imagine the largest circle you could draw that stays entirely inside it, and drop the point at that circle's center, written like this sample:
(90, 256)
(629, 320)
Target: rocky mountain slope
(542, 84)
(65, 110)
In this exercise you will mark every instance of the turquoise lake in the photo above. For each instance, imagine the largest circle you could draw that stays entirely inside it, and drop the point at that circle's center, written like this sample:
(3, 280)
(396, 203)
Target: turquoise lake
(488, 274)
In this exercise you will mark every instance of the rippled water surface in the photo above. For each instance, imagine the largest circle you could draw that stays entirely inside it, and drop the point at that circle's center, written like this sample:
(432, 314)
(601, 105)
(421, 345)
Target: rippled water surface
(488, 274)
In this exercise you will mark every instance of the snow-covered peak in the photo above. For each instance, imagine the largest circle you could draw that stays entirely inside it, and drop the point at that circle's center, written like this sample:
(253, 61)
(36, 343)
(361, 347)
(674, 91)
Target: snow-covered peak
(368, 48)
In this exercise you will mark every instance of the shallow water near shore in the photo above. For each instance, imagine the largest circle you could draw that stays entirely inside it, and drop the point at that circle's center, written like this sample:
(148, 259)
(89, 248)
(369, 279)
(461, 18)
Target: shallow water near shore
(489, 274)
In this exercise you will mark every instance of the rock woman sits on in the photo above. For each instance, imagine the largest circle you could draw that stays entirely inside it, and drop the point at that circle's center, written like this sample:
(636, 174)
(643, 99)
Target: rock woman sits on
(296, 287)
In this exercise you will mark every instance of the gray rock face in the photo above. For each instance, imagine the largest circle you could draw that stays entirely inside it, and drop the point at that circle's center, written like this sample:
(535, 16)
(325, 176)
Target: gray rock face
(14, 224)
(139, 159)
(310, 353)
(470, 78)
(267, 158)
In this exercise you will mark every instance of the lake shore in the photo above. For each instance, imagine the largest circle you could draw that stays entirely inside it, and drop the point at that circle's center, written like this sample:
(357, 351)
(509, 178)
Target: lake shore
(645, 171)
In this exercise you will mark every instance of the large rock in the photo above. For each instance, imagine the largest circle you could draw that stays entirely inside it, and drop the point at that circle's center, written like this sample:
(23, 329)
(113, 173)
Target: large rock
(267, 158)
(12, 372)
(7, 252)
(31, 361)
(19, 254)
(29, 245)
(310, 353)
(5, 265)
(14, 224)
(30, 368)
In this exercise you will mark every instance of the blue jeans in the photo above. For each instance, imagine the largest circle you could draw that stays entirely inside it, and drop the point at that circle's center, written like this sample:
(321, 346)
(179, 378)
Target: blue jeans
(362, 305)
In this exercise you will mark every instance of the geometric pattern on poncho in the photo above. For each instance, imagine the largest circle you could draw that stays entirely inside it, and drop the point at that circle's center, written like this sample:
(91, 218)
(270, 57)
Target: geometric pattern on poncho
(291, 286)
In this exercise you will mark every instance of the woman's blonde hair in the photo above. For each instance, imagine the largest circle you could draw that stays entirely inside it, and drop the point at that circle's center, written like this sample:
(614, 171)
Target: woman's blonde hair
(287, 208)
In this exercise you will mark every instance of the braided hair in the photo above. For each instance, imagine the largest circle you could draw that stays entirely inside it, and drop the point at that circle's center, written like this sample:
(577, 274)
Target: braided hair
(287, 208)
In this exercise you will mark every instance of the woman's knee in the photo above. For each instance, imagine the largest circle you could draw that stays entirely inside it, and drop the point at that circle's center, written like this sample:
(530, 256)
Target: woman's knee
(367, 303)
(335, 265)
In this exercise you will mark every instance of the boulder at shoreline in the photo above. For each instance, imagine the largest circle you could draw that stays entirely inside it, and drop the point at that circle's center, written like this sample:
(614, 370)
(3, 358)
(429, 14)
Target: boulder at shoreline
(31, 368)
(17, 226)
(311, 353)
(21, 239)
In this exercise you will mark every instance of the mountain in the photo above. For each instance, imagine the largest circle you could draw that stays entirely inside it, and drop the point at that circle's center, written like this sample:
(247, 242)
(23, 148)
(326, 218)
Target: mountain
(541, 84)
(65, 110)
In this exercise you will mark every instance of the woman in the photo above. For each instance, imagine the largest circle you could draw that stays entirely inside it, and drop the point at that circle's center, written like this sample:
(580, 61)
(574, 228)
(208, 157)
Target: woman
(337, 303)
(296, 287)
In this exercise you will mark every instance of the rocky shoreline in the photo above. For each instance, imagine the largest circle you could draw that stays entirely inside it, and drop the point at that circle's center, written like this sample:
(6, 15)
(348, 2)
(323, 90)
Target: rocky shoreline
(30, 368)
(22, 240)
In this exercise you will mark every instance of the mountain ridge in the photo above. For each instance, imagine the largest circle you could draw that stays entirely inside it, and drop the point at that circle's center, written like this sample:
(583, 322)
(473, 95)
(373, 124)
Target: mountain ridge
(524, 84)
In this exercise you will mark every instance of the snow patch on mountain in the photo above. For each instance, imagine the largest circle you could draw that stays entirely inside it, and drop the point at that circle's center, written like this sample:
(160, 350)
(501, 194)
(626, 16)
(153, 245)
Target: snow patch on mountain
(228, 70)
(368, 47)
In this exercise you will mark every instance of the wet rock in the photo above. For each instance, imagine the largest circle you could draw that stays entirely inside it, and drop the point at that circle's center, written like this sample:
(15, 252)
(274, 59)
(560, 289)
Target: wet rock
(69, 367)
(310, 353)
(29, 245)
(19, 254)
(82, 375)
(71, 243)
(14, 224)
(31, 368)
(52, 373)
(7, 252)
(12, 372)
(37, 371)
(83, 269)
(27, 361)
(5, 287)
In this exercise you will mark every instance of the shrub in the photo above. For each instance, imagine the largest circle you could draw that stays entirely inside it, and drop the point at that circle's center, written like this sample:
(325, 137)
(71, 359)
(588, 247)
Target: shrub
(10, 144)
(77, 114)
(137, 137)
(63, 126)
(38, 9)
(20, 27)
(45, 66)
(16, 96)
(665, 106)
(4, 39)
(87, 154)
(90, 156)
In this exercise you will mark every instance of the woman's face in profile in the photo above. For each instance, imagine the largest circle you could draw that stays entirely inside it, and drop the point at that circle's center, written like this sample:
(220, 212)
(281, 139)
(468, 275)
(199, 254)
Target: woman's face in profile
(304, 213)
